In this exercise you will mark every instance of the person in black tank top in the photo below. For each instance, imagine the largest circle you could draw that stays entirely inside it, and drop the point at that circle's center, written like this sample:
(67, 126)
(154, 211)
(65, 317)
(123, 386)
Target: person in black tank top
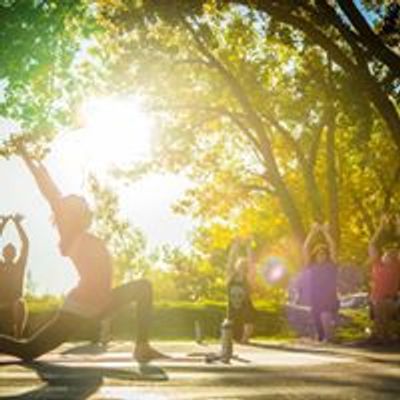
(13, 312)
(240, 280)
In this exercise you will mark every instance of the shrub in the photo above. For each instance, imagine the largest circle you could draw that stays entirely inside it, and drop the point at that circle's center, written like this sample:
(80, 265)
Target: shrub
(172, 320)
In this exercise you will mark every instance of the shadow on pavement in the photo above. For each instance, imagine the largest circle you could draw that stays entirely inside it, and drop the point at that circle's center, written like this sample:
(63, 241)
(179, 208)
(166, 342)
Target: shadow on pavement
(341, 385)
(341, 351)
(300, 349)
(78, 383)
(91, 348)
(375, 348)
(59, 382)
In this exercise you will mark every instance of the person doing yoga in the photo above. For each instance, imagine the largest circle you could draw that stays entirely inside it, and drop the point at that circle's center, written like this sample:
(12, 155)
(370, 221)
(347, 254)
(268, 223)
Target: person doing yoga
(322, 280)
(13, 313)
(93, 297)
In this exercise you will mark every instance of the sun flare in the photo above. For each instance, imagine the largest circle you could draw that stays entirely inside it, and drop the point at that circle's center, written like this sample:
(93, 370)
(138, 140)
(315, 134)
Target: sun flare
(117, 131)
(114, 133)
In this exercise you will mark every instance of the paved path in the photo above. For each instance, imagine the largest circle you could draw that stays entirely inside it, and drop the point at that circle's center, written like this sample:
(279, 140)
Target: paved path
(266, 371)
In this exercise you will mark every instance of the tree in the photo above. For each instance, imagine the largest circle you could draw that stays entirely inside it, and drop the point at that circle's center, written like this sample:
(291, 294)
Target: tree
(281, 112)
(360, 40)
(246, 106)
(127, 244)
(46, 47)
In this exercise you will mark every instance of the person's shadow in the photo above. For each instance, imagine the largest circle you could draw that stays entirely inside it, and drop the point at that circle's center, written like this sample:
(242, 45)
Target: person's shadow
(78, 383)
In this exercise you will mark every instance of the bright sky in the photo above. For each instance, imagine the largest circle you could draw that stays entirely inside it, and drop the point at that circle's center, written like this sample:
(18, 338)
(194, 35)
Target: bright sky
(108, 138)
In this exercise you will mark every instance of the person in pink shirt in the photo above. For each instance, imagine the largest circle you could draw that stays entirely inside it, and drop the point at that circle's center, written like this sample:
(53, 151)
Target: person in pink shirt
(92, 298)
(385, 278)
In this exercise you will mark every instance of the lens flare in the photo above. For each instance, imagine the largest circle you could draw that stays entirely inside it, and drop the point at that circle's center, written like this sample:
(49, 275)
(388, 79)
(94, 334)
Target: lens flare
(274, 270)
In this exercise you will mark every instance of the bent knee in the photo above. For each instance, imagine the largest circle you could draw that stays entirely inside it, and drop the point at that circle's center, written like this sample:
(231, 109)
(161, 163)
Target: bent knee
(30, 352)
(23, 349)
(19, 307)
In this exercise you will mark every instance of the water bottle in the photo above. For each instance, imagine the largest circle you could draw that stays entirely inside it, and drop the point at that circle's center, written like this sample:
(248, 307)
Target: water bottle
(226, 341)
(198, 335)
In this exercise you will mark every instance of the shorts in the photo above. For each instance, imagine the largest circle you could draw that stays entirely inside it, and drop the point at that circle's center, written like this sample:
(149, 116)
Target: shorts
(245, 315)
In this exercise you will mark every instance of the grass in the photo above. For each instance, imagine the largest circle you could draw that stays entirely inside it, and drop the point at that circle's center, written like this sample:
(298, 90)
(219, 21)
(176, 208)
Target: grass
(355, 326)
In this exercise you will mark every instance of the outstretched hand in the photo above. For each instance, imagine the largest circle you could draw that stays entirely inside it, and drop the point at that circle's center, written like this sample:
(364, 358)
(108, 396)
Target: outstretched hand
(315, 227)
(237, 241)
(21, 150)
(3, 222)
(17, 218)
(325, 227)
(4, 218)
(385, 220)
(250, 242)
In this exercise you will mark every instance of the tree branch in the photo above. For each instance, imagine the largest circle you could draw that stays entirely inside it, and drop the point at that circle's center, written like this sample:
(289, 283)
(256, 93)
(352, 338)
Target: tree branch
(360, 75)
(286, 199)
(390, 189)
(372, 41)
(259, 188)
(312, 158)
(366, 217)
(309, 178)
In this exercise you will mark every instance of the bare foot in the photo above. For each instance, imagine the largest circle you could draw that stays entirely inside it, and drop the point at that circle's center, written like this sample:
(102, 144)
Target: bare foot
(146, 353)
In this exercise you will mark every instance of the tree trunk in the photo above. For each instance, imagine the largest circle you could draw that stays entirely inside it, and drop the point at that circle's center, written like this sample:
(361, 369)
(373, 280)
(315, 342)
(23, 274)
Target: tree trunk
(307, 169)
(331, 177)
(286, 200)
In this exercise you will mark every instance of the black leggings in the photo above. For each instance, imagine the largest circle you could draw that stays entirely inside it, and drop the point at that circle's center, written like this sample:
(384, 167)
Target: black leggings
(317, 318)
(64, 324)
(316, 315)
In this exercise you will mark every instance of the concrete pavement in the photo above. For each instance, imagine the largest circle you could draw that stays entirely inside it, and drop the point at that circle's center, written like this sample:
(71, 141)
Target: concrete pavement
(266, 370)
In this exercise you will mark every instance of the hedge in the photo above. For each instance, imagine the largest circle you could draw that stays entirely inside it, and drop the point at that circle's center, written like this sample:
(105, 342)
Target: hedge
(175, 321)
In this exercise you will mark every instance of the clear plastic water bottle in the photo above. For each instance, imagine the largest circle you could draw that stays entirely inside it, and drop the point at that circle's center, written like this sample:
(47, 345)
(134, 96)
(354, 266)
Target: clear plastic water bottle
(226, 341)
(198, 334)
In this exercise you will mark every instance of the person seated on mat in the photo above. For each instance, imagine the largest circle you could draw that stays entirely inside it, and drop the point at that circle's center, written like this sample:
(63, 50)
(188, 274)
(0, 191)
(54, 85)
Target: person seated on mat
(13, 312)
(241, 276)
(93, 297)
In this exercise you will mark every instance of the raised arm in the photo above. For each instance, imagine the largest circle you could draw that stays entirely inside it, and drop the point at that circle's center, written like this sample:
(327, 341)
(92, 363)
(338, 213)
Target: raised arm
(45, 183)
(307, 243)
(373, 250)
(3, 222)
(17, 218)
(233, 251)
(251, 274)
(329, 240)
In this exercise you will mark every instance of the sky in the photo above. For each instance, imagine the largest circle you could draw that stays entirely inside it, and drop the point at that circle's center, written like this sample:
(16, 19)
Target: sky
(146, 203)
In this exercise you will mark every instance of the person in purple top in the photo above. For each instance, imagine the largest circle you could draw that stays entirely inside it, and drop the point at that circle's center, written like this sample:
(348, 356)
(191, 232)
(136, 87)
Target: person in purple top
(322, 274)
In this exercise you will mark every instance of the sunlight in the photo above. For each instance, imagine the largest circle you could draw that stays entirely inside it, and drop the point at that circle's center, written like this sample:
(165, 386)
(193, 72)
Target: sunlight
(116, 131)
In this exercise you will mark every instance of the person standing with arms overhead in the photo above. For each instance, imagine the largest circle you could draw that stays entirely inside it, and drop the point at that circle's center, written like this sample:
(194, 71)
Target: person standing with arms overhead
(92, 298)
(322, 274)
(13, 313)
(385, 278)
(241, 277)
